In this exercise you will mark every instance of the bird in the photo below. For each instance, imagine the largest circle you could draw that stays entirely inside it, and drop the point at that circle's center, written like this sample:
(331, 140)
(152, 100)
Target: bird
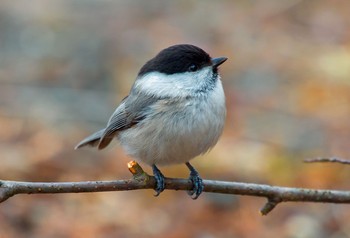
(175, 111)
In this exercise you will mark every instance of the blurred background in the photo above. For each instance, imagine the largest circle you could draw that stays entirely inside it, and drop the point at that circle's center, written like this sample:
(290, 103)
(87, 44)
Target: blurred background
(65, 66)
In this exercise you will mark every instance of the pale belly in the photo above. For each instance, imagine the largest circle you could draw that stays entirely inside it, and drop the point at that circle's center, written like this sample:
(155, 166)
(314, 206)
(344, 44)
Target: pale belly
(176, 134)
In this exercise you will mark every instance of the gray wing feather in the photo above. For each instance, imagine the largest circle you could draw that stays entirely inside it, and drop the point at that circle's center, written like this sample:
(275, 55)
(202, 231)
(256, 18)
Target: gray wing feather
(131, 111)
(118, 121)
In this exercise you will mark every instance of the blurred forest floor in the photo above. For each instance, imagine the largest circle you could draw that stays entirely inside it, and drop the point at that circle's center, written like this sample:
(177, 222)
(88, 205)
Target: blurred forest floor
(65, 65)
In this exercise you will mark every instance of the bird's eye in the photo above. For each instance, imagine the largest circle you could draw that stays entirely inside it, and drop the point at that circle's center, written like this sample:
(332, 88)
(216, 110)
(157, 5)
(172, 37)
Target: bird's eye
(192, 68)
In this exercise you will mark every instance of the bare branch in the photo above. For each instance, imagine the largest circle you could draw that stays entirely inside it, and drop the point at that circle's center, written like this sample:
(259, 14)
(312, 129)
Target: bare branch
(141, 180)
(327, 160)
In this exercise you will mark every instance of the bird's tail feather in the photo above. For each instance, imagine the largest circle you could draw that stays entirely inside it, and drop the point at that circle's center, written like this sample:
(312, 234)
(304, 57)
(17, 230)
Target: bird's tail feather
(92, 140)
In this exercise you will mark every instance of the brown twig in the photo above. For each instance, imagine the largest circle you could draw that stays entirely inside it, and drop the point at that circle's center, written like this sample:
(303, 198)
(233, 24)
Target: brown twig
(328, 160)
(141, 180)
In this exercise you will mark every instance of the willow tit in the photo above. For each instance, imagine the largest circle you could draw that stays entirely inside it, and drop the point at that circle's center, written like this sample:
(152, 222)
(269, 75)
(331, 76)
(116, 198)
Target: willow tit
(174, 112)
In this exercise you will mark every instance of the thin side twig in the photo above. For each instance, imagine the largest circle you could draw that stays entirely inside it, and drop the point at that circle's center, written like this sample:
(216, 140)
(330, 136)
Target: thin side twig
(141, 180)
(327, 160)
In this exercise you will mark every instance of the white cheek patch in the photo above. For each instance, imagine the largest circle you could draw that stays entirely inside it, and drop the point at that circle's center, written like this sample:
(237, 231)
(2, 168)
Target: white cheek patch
(174, 85)
(159, 84)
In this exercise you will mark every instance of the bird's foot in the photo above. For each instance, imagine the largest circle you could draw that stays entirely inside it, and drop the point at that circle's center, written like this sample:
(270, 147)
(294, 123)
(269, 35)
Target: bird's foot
(160, 183)
(197, 182)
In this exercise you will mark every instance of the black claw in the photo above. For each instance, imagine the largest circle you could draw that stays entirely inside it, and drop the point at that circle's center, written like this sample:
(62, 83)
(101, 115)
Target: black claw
(197, 182)
(197, 186)
(160, 183)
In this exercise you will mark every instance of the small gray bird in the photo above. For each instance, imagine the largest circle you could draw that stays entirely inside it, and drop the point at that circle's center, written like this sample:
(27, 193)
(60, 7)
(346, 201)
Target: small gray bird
(174, 112)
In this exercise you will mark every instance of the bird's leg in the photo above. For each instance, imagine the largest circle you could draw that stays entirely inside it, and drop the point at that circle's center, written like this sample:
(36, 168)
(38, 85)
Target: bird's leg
(159, 177)
(197, 182)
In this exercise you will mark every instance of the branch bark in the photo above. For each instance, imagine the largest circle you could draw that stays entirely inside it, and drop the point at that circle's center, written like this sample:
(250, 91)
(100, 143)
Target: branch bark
(141, 180)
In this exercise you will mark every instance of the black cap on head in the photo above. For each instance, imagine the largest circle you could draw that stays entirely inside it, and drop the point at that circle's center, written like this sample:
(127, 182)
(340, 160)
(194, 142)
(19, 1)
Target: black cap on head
(177, 59)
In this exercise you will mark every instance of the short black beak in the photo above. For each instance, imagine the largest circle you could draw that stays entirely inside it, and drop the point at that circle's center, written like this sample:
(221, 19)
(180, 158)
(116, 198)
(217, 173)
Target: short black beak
(218, 61)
